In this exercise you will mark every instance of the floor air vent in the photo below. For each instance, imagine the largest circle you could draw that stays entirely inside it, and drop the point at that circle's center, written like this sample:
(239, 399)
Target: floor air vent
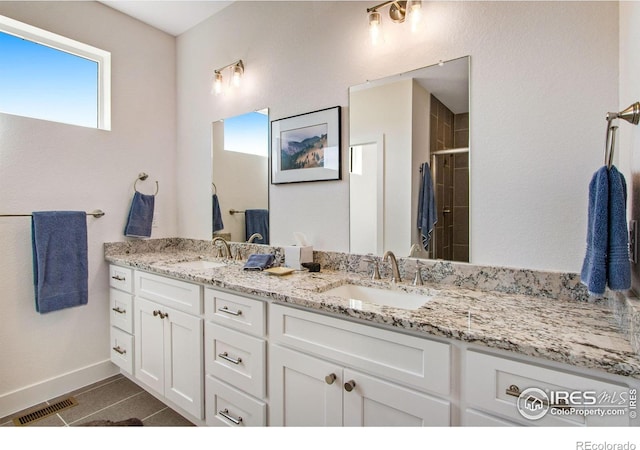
(45, 411)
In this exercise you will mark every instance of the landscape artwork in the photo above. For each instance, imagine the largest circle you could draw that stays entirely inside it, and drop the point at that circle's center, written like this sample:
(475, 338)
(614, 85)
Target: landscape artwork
(303, 148)
(306, 147)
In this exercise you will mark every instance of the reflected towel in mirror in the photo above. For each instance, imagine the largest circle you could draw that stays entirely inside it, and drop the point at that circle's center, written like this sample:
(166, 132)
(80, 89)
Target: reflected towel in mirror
(427, 214)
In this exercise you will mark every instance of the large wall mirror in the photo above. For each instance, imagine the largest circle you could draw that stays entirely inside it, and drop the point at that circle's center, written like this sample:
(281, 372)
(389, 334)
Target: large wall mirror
(409, 146)
(240, 188)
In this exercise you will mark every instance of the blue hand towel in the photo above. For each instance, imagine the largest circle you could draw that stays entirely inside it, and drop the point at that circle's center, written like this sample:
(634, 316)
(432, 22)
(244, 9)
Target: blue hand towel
(257, 221)
(217, 215)
(259, 261)
(427, 214)
(594, 266)
(60, 274)
(140, 217)
(618, 265)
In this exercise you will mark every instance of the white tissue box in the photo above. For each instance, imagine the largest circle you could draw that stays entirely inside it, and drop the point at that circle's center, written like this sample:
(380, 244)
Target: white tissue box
(295, 255)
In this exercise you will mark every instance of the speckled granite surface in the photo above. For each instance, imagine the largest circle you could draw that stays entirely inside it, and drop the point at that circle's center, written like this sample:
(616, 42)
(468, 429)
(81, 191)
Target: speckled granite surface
(538, 314)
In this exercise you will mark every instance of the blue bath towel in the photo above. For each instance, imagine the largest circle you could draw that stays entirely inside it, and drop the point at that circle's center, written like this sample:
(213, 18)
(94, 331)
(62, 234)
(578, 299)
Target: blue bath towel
(60, 274)
(257, 221)
(217, 215)
(427, 214)
(259, 261)
(594, 266)
(140, 218)
(618, 265)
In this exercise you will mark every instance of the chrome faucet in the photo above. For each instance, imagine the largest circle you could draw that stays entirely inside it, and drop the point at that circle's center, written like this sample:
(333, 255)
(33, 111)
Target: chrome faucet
(226, 245)
(253, 237)
(395, 273)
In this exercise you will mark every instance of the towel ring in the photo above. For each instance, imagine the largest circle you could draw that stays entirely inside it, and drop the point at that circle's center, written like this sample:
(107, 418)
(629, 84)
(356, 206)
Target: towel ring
(215, 189)
(143, 176)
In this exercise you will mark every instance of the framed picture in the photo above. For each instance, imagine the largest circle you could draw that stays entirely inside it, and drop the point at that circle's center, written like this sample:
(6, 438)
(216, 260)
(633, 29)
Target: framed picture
(306, 147)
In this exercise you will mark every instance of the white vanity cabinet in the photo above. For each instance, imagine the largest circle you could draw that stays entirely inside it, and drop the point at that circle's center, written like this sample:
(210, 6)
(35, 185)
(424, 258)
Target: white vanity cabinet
(168, 340)
(235, 358)
(331, 372)
(121, 317)
(492, 383)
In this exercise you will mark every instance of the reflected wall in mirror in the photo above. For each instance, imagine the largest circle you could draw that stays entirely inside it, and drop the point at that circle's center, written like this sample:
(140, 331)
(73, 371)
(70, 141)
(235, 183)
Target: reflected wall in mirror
(240, 188)
(398, 125)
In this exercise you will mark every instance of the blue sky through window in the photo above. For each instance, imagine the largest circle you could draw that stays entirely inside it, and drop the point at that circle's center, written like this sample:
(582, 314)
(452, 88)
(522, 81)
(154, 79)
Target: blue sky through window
(45, 83)
(248, 133)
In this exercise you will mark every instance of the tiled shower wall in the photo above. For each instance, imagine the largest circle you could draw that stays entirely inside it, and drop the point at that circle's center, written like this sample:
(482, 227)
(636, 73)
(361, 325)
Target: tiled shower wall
(449, 131)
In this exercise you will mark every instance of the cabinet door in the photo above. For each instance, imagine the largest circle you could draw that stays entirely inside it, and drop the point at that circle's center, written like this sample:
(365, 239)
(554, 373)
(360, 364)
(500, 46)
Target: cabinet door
(302, 390)
(378, 403)
(149, 345)
(183, 368)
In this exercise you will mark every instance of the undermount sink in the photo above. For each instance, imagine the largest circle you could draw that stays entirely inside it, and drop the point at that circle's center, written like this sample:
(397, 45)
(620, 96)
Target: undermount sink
(201, 264)
(380, 296)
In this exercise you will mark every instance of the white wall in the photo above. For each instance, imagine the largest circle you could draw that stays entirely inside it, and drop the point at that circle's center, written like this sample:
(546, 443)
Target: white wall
(541, 81)
(51, 166)
(629, 135)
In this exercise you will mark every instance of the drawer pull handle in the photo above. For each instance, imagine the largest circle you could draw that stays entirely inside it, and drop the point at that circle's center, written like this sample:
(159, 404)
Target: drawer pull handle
(118, 310)
(329, 379)
(226, 310)
(118, 278)
(349, 385)
(225, 413)
(119, 350)
(514, 391)
(226, 356)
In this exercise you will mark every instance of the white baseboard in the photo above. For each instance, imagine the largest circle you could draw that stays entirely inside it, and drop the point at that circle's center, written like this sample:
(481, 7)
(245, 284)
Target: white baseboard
(34, 394)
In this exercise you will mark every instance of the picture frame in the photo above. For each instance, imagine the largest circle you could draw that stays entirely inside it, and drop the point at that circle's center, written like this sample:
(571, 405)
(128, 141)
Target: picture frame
(306, 147)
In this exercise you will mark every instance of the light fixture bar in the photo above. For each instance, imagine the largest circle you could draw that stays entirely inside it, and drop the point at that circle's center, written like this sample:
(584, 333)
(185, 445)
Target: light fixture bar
(237, 70)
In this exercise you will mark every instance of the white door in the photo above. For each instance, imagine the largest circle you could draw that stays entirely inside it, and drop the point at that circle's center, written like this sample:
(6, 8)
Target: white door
(304, 391)
(149, 344)
(376, 403)
(183, 360)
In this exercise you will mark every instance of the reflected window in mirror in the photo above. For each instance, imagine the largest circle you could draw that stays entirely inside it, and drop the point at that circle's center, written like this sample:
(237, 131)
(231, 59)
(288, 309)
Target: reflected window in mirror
(407, 122)
(240, 171)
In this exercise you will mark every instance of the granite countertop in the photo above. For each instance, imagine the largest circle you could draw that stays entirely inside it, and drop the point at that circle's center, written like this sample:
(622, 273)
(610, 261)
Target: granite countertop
(579, 333)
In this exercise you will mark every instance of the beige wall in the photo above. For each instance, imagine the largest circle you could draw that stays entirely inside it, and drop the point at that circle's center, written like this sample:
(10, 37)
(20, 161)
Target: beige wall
(51, 166)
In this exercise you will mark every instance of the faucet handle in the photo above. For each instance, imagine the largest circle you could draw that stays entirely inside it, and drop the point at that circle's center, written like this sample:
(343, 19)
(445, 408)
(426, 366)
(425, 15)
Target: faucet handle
(417, 281)
(376, 269)
(238, 256)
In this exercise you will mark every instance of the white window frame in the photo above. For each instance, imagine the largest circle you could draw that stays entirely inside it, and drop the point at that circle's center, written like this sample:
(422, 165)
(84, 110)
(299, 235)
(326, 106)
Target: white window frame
(55, 41)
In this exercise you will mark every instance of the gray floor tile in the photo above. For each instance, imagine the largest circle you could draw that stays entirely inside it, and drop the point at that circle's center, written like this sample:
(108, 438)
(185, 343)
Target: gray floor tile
(101, 397)
(166, 418)
(139, 406)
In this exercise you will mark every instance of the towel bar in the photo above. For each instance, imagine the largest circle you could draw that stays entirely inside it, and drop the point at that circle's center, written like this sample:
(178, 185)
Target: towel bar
(97, 213)
(235, 211)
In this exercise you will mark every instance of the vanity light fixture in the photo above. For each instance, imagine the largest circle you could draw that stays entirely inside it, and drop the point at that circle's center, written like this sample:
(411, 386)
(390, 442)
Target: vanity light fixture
(236, 69)
(399, 10)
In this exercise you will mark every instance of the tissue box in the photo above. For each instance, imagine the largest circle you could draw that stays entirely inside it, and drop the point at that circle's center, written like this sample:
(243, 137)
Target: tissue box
(295, 255)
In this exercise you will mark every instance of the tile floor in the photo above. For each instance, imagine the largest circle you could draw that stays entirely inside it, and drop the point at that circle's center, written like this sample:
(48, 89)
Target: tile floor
(116, 398)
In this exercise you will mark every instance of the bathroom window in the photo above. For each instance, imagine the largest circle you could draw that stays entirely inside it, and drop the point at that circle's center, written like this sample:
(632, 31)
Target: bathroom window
(47, 76)
(248, 133)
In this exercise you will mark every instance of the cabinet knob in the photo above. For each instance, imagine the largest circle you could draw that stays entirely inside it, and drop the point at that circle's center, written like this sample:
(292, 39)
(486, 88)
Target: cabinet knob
(329, 379)
(349, 385)
(163, 315)
(155, 313)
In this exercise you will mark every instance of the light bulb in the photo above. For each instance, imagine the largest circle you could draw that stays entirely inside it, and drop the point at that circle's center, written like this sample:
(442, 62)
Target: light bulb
(375, 26)
(217, 83)
(414, 13)
(237, 74)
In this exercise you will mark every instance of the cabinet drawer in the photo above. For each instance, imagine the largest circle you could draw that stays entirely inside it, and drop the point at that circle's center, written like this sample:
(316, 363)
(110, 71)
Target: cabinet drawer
(122, 349)
(413, 361)
(121, 310)
(491, 384)
(472, 418)
(227, 406)
(236, 358)
(233, 311)
(176, 294)
(121, 278)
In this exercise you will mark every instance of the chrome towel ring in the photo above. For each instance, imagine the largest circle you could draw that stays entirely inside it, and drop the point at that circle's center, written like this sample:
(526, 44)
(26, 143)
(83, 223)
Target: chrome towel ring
(143, 176)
